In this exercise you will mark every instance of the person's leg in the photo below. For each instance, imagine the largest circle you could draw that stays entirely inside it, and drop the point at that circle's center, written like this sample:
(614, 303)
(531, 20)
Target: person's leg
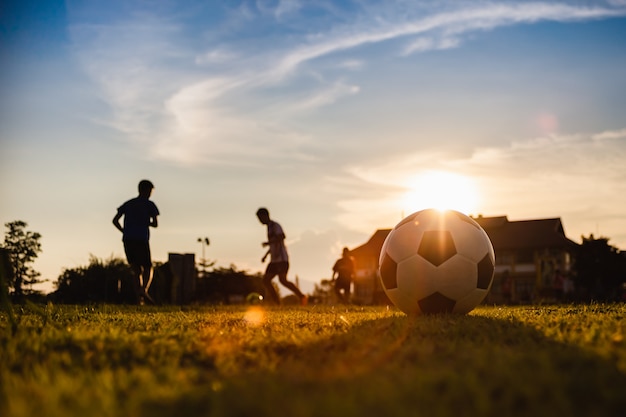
(338, 291)
(347, 292)
(146, 277)
(146, 280)
(143, 258)
(270, 292)
(282, 277)
(134, 258)
(137, 288)
(146, 262)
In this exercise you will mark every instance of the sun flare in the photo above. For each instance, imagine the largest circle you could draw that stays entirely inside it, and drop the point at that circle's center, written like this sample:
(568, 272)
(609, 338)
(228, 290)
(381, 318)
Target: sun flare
(254, 316)
(440, 190)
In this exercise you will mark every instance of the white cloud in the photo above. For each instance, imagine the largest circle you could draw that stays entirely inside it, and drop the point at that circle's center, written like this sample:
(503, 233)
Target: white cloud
(580, 177)
(324, 97)
(484, 16)
(352, 64)
(423, 44)
(192, 107)
(216, 56)
(609, 135)
(188, 101)
(287, 7)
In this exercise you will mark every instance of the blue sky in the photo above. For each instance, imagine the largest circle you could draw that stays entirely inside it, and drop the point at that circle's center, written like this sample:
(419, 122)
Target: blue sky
(339, 116)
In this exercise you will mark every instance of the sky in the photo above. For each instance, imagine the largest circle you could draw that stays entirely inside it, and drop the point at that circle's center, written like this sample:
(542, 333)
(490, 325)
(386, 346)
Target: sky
(340, 117)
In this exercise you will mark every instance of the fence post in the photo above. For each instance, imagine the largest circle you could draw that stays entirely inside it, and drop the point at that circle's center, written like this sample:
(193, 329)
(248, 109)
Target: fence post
(183, 267)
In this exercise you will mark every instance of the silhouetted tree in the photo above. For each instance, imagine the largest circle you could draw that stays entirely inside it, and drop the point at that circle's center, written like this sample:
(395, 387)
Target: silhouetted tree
(6, 272)
(221, 284)
(108, 281)
(600, 269)
(23, 247)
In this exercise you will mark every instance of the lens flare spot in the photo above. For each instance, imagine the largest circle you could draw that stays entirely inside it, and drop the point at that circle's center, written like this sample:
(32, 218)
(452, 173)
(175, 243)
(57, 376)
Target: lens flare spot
(254, 316)
(547, 123)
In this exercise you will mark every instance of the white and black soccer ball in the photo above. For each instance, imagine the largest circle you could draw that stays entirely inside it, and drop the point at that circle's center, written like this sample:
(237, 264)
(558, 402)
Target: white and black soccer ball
(437, 262)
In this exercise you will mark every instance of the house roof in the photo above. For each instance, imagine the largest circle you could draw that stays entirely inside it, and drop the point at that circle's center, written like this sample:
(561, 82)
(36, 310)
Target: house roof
(373, 246)
(504, 235)
(525, 234)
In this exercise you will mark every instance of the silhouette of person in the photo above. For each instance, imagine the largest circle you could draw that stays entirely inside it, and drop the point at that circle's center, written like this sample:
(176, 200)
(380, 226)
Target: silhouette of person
(279, 259)
(139, 214)
(343, 274)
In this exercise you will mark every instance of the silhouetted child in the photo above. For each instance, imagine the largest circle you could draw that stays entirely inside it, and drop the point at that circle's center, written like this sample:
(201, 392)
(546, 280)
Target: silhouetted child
(139, 214)
(343, 274)
(279, 260)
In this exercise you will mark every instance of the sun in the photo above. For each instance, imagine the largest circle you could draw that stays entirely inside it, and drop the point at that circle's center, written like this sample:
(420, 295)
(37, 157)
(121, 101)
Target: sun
(441, 190)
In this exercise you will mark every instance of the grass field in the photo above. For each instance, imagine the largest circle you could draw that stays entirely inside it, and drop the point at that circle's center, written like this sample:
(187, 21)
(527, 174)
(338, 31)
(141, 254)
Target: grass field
(313, 361)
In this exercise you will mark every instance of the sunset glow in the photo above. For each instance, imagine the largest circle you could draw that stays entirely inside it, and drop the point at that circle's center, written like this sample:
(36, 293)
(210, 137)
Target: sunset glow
(441, 190)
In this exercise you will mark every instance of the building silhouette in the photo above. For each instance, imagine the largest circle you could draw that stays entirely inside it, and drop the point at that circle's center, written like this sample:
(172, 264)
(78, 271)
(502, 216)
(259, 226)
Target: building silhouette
(532, 256)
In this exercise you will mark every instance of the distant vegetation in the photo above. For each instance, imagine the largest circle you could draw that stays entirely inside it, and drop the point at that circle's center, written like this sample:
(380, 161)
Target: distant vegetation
(101, 281)
(599, 274)
(22, 247)
(109, 281)
(600, 270)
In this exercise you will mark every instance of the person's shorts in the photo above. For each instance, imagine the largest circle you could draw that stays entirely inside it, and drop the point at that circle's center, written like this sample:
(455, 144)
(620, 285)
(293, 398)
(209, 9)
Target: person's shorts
(343, 284)
(276, 268)
(138, 252)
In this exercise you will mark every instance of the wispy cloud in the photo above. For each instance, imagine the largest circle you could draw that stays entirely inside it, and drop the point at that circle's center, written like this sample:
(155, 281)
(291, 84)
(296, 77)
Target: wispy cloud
(610, 135)
(216, 56)
(581, 177)
(324, 97)
(180, 91)
(465, 19)
(287, 7)
(578, 176)
(429, 44)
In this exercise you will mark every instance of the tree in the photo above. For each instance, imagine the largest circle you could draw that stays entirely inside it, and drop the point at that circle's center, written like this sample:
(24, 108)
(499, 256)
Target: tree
(23, 247)
(222, 284)
(600, 269)
(106, 281)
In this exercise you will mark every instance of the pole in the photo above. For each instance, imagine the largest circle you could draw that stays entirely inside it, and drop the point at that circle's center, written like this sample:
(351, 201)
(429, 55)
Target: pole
(204, 241)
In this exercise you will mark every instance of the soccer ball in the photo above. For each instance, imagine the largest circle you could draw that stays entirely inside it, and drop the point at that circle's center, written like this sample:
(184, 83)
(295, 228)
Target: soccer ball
(436, 262)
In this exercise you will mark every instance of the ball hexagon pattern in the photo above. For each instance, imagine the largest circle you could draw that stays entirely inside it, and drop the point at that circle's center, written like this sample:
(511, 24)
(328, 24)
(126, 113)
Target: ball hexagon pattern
(437, 246)
(437, 262)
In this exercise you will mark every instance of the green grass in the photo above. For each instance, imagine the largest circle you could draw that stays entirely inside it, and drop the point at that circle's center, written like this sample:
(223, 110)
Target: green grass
(313, 361)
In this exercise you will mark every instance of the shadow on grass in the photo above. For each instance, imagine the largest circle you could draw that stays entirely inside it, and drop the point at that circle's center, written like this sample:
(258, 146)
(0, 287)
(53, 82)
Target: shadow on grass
(427, 366)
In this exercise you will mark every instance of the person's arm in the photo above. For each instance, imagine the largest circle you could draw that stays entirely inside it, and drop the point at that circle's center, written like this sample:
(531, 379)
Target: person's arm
(153, 216)
(116, 221)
